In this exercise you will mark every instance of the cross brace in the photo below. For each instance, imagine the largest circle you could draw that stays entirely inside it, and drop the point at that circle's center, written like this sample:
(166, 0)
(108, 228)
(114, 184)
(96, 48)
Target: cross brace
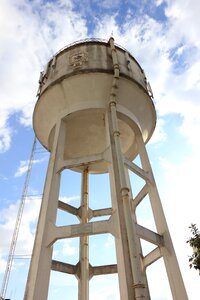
(75, 269)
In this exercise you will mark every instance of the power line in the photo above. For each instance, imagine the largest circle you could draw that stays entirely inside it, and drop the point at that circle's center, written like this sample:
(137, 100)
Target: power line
(22, 256)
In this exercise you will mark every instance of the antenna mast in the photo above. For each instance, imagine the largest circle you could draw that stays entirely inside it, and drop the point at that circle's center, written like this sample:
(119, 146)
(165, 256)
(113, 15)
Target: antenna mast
(17, 225)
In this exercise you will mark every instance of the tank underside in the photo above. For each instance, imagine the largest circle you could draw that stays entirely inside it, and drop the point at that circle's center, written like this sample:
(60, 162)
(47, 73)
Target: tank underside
(81, 101)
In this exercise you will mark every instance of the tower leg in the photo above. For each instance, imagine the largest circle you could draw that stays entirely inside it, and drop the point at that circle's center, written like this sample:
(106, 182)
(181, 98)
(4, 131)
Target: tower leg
(167, 251)
(83, 285)
(39, 273)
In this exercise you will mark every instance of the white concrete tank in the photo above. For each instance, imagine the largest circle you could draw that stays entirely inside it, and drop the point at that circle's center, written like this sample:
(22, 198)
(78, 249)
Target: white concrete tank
(76, 86)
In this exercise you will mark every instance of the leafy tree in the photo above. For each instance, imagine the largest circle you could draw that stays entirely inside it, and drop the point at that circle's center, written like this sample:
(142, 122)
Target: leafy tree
(194, 242)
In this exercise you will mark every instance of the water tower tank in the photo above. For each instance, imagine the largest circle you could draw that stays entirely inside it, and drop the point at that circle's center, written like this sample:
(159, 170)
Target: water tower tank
(76, 86)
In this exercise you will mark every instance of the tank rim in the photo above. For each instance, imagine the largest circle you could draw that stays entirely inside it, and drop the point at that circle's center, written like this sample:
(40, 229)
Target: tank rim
(94, 41)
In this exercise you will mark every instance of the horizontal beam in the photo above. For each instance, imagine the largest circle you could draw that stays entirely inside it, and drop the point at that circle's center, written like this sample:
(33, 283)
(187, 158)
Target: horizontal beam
(151, 257)
(79, 161)
(63, 267)
(149, 235)
(55, 233)
(77, 211)
(75, 269)
(102, 212)
(69, 208)
(140, 196)
(103, 270)
(137, 170)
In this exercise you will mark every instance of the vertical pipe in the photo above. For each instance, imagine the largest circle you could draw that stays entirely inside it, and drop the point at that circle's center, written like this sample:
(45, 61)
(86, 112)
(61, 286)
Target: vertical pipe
(138, 243)
(135, 286)
(83, 288)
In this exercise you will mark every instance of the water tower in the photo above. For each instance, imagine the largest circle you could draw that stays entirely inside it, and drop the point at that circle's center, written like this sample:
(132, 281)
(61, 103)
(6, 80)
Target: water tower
(95, 114)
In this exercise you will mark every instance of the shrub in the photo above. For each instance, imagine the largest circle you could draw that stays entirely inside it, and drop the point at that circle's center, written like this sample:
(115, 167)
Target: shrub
(194, 242)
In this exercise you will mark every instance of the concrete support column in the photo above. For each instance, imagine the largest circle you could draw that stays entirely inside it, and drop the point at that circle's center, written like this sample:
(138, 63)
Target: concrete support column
(131, 276)
(83, 284)
(167, 251)
(39, 273)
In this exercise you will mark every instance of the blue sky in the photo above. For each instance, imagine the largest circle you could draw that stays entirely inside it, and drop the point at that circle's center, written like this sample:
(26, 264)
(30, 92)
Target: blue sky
(164, 37)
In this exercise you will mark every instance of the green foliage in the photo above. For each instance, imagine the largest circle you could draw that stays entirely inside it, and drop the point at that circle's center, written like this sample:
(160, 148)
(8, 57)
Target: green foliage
(194, 242)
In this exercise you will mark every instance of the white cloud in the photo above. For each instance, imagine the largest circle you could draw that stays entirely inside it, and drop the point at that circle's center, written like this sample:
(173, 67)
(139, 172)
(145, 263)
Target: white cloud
(159, 134)
(157, 270)
(104, 287)
(110, 242)
(159, 2)
(106, 27)
(68, 249)
(175, 90)
(25, 237)
(59, 280)
(5, 138)
(180, 200)
(2, 177)
(108, 4)
(65, 248)
(184, 15)
(181, 187)
(26, 44)
(23, 167)
(69, 199)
